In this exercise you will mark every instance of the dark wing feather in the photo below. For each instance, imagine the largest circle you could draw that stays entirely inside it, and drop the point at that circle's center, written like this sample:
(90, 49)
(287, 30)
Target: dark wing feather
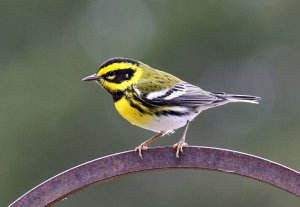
(182, 94)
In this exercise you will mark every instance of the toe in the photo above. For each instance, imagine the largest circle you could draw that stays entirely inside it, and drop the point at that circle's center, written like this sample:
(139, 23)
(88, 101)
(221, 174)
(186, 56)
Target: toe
(179, 148)
(136, 149)
(177, 153)
(175, 145)
(140, 148)
(140, 154)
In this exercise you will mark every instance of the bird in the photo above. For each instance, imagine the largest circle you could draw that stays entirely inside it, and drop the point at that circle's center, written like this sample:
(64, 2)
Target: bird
(156, 100)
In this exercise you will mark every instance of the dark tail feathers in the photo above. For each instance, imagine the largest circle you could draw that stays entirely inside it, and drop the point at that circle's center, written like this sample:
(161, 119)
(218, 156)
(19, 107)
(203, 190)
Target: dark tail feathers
(238, 98)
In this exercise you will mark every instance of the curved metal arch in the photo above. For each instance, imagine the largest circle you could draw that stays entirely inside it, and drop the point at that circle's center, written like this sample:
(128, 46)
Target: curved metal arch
(81, 176)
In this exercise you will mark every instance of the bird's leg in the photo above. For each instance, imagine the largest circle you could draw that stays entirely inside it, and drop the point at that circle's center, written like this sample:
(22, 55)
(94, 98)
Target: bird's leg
(179, 145)
(144, 145)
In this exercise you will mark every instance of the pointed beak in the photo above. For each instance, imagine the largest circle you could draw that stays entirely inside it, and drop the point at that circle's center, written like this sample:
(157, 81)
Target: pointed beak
(93, 77)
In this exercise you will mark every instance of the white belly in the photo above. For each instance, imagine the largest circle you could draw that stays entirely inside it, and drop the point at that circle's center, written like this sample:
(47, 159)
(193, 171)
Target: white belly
(168, 123)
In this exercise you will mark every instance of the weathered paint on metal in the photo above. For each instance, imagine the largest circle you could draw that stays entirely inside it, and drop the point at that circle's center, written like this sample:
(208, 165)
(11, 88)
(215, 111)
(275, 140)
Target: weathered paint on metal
(80, 177)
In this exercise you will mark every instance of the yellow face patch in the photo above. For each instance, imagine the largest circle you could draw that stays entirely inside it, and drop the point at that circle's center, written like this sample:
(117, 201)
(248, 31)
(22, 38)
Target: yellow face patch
(111, 86)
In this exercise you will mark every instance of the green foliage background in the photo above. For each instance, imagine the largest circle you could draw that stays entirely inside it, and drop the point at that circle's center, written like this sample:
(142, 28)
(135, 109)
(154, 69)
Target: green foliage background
(51, 121)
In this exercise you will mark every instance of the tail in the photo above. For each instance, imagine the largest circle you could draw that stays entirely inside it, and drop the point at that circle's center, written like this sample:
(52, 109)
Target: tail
(237, 98)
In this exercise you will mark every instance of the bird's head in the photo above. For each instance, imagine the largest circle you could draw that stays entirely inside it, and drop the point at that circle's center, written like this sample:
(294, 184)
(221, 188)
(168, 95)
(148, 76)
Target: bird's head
(117, 74)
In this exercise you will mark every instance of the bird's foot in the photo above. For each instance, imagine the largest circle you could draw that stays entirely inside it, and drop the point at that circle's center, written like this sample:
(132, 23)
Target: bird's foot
(179, 147)
(140, 148)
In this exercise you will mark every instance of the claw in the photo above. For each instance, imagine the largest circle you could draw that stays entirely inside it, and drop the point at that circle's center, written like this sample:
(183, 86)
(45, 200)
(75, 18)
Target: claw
(143, 146)
(179, 147)
(140, 148)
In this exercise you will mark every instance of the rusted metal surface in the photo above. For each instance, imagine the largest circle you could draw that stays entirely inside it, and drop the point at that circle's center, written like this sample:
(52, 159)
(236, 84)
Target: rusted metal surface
(77, 178)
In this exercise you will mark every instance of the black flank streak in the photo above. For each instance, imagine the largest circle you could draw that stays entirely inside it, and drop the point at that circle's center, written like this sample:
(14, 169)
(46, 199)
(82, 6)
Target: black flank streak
(144, 103)
(170, 113)
(137, 107)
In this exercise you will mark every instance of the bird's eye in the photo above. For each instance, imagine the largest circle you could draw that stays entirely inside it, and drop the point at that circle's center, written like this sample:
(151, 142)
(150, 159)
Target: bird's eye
(110, 75)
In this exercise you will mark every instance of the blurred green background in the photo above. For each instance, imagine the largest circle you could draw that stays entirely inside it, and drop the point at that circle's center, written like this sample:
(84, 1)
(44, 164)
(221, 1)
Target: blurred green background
(51, 121)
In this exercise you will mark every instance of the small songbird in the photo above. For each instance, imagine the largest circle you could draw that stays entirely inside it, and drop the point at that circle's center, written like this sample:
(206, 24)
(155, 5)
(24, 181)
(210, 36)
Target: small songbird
(156, 100)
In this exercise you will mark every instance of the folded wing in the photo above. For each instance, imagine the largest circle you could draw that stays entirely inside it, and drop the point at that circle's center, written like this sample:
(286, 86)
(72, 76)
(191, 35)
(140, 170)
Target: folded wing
(182, 94)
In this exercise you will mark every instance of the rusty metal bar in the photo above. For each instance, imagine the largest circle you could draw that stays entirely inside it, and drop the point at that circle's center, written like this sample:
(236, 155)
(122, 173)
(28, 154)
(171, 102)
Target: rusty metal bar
(80, 177)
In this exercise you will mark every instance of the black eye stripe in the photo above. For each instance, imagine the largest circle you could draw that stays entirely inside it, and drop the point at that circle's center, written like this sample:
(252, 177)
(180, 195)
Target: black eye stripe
(110, 73)
(120, 75)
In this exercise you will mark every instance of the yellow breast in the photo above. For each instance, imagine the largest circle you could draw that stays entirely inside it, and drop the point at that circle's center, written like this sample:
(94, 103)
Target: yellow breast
(133, 112)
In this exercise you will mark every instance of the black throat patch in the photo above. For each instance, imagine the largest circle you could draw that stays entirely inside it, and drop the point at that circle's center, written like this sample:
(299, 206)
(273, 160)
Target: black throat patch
(117, 95)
